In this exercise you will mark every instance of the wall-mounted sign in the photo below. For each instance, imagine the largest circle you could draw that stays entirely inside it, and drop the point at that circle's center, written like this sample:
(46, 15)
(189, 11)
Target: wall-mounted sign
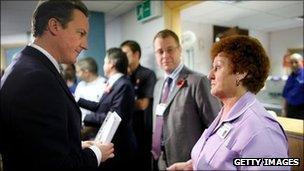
(148, 10)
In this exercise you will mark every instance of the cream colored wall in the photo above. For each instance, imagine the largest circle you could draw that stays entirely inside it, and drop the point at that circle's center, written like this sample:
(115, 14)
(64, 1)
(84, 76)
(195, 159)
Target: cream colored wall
(172, 10)
(126, 27)
(280, 42)
(202, 46)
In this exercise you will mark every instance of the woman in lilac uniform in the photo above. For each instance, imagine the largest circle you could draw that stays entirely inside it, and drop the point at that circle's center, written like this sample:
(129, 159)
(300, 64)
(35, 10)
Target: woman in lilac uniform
(243, 128)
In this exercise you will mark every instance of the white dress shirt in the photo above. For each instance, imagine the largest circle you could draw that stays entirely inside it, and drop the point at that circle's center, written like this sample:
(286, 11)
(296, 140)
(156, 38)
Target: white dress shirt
(90, 91)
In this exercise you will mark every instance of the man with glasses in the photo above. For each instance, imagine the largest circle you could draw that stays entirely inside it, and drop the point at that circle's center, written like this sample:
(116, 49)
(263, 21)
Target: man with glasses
(183, 105)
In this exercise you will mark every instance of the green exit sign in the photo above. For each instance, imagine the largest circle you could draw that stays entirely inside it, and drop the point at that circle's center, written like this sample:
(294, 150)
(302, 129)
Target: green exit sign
(143, 10)
(148, 10)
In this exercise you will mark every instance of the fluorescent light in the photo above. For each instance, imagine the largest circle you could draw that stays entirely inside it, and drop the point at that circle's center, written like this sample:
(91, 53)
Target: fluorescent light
(230, 2)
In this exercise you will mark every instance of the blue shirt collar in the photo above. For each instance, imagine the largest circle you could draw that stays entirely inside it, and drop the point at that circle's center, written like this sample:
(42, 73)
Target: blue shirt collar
(175, 72)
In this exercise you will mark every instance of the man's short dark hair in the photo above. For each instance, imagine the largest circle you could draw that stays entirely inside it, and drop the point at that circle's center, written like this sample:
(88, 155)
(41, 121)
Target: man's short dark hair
(167, 33)
(88, 64)
(59, 9)
(69, 72)
(119, 58)
(133, 45)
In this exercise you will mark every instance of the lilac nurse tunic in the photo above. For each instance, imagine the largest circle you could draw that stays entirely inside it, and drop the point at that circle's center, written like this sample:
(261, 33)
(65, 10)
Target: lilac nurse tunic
(249, 131)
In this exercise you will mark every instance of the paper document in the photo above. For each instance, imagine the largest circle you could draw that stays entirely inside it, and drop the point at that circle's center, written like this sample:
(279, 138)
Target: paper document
(108, 127)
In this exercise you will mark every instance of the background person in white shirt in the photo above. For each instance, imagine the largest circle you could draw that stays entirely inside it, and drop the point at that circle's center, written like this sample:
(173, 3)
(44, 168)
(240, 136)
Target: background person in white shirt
(91, 86)
(119, 97)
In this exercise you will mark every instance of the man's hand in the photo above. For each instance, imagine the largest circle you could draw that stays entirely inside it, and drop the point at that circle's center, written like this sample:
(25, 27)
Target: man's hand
(181, 166)
(107, 150)
(142, 104)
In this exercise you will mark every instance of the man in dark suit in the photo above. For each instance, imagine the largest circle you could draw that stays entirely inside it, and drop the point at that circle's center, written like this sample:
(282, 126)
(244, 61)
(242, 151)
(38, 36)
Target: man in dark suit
(143, 80)
(40, 121)
(119, 97)
(183, 105)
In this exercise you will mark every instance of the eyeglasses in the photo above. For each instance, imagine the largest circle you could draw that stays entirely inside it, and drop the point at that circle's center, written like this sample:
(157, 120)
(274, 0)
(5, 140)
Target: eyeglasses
(169, 50)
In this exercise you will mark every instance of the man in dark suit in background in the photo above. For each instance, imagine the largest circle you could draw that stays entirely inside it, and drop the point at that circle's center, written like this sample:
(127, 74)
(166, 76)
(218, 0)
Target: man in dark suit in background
(143, 80)
(183, 105)
(119, 97)
(40, 121)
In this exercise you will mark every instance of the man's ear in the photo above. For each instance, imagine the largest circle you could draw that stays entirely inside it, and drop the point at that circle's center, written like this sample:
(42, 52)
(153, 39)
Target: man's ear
(112, 64)
(180, 48)
(137, 55)
(54, 26)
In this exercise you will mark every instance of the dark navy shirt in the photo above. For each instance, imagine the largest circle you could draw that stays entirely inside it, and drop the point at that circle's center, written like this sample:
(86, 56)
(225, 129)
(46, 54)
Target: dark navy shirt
(294, 88)
(143, 81)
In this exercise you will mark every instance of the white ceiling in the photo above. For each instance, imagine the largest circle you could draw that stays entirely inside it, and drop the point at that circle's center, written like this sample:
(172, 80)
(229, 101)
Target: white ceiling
(16, 15)
(257, 15)
(112, 9)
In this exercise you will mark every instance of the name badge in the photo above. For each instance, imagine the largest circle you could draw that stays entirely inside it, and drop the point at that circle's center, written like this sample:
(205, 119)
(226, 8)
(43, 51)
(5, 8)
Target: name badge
(224, 130)
(160, 109)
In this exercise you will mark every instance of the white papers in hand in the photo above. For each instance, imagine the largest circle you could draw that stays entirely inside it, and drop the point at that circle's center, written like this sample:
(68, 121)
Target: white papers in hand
(108, 128)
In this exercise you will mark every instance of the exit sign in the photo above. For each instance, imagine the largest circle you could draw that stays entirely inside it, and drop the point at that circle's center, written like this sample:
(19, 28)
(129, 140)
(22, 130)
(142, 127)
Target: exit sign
(148, 10)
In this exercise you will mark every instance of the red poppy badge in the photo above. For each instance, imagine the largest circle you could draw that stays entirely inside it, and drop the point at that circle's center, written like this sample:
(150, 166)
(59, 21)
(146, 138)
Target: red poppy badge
(181, 83)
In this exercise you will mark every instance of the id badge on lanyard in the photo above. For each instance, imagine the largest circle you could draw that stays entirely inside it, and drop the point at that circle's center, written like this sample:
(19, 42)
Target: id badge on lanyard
(224, 130)
(160, 109)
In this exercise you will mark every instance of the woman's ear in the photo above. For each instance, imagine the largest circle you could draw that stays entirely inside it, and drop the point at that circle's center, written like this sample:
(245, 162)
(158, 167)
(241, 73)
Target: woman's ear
(240, 76)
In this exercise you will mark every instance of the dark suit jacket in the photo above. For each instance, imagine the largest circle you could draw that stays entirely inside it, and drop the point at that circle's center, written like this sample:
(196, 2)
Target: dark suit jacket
(191, 108)
(40, 120)
(121, 100)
